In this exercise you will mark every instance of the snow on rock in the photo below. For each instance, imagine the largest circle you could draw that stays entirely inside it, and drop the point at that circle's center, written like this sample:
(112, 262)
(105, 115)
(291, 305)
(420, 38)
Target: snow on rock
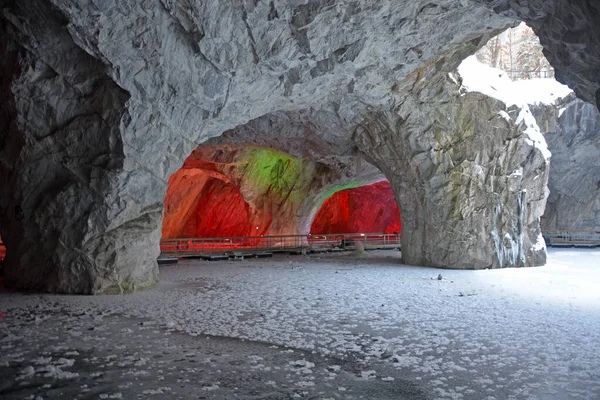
(493, 82)
(478, 77)
(56, 372)
(455, 155)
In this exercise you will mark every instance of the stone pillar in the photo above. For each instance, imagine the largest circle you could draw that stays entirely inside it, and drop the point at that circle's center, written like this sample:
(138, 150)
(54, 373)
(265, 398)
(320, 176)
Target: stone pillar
(470, 183)
(74, 210)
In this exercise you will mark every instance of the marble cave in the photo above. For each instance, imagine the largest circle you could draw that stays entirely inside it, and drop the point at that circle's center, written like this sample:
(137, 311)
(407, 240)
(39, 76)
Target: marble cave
(103, 102)
(124, 123)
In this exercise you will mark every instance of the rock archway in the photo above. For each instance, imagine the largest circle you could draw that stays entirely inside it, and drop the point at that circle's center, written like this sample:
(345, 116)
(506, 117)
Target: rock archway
(102, 101)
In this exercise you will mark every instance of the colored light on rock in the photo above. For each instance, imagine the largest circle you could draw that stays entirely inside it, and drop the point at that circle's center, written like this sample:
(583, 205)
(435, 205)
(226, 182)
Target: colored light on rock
(371, 208)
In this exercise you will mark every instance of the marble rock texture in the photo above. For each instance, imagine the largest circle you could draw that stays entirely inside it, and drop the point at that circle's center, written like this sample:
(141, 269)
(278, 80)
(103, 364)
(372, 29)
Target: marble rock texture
(101, 101)
(469, 181)
(572, 130)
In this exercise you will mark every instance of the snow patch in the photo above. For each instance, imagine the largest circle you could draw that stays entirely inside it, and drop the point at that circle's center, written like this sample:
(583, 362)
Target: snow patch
(55, 372)
(111, 396)
(493, 82)
(211, 387)
(540, 243)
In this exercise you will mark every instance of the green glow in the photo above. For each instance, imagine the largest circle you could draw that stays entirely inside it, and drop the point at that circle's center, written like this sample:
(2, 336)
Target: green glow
(285, 177)
(277, 173)
(330, 192)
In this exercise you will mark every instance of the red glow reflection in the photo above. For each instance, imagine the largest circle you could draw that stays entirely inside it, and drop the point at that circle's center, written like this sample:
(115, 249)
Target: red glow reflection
(370, 208)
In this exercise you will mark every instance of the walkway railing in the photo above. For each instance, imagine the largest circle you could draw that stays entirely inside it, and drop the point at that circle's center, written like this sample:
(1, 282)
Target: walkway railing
(191, 246)
(183, 246)
(572, 238)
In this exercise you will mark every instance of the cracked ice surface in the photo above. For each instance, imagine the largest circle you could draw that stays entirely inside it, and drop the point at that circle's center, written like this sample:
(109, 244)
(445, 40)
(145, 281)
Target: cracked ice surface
(339, 324)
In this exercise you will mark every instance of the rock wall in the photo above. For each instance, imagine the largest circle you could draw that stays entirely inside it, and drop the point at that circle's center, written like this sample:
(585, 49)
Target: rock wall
(102, 101)
(70, 205)
(572, 130)
(367, 209)
(201, 203)
(470, 183)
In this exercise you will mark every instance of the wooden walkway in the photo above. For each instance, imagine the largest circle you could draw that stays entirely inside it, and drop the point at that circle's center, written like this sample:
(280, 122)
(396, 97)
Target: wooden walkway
(283, 243)
(583, 239)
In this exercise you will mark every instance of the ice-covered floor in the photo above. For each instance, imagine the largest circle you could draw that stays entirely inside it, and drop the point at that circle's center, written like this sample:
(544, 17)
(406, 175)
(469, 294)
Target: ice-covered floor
(328, 327)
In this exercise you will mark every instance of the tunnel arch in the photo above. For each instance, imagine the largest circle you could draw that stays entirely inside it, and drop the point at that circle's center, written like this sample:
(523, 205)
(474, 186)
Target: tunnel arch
(152, 95)
(425, 149)
(459, 208)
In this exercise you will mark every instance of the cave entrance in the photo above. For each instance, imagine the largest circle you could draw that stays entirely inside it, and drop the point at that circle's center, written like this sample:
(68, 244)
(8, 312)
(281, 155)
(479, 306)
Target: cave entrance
(518, 52)
(366, 209)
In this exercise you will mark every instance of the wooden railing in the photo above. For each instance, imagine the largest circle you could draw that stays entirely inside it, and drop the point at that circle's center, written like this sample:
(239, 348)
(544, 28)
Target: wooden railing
(562, 238)
(181, 246)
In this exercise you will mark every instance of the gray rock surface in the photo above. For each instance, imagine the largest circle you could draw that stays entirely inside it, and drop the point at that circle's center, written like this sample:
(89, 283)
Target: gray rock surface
(101, 101)
(74, 217)
(318, 135)
(470, 184)
(572, 130)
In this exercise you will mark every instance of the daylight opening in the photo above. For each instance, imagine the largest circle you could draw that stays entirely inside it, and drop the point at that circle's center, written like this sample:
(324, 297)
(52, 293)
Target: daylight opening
(521, 76)
(518, 52)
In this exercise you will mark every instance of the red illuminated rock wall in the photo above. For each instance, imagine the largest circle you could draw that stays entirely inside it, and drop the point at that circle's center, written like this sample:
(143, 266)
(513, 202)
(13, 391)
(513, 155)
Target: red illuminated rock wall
(370, 209)
(239, 190)
(201, 203)
(221, 212)
(228, 190)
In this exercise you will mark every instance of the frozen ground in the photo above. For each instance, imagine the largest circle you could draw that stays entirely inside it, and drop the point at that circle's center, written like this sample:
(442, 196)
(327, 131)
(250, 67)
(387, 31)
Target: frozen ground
(330, 327)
